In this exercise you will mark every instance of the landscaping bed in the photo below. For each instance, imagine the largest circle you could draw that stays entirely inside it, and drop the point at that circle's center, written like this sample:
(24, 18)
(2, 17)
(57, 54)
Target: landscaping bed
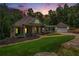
(17, 39)
(46, 44)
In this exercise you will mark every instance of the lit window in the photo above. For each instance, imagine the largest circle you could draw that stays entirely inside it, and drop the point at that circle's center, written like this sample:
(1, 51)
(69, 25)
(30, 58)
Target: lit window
(25, 30)
(16, 30)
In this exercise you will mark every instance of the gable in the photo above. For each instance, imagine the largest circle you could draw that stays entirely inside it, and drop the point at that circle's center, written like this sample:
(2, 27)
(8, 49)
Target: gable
(37, 21)
(24, 21)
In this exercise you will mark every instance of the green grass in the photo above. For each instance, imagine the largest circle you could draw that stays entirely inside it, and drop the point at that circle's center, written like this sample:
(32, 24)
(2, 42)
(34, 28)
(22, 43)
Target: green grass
(30, 48)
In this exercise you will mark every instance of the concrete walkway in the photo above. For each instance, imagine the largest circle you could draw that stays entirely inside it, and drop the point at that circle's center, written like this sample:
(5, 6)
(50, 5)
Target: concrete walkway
(73, 43)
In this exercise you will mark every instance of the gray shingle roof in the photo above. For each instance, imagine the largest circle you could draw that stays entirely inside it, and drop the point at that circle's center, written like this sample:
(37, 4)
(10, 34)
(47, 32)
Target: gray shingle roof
(62, 25)
(27, 21)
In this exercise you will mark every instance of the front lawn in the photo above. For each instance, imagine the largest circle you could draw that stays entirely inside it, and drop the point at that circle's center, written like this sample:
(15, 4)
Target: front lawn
(30, 48)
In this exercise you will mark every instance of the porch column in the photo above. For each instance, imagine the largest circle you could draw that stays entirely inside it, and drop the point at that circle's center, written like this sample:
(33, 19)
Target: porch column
(29, 30)
(41, 29)
(37, 29)
(24, 31)
(49, 29)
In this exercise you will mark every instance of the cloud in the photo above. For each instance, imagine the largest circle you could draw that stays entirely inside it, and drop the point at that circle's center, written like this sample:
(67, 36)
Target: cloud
(42, 7)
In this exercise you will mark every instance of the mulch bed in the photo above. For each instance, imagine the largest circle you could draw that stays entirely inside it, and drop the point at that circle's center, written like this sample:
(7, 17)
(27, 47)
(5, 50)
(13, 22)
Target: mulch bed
(17, 39)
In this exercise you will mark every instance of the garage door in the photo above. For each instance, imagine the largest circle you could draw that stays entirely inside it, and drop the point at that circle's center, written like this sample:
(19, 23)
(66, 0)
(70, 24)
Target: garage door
(61, 29)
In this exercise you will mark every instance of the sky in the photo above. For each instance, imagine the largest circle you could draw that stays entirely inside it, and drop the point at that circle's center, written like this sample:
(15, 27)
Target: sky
(40, 7)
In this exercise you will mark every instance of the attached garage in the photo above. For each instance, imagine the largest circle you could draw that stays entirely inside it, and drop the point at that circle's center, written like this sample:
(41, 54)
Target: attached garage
(61, 27)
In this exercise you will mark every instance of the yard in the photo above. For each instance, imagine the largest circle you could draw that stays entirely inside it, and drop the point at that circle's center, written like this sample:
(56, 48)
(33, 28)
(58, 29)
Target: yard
(45, 44)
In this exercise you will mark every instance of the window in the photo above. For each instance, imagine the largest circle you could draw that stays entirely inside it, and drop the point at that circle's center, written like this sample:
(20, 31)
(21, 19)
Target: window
(16, 30)
(25, 30)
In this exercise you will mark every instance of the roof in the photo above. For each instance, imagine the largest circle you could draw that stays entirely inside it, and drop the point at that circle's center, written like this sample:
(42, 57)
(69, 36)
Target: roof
(62, 25)
(27, 21)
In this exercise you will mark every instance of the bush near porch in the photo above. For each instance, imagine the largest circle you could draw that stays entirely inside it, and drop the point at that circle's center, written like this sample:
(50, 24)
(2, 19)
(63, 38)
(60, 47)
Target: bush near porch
(48, 44)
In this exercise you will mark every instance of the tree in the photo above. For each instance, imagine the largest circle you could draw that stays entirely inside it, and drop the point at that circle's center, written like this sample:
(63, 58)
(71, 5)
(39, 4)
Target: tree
(65, 14)
(30, 12)
(76, 6)
(47, 20)
(52, 15)
(59, 12)
(73, 12)
(50, 12)
(39, 15)
(8, 17)
(76, 23)
(66, 6)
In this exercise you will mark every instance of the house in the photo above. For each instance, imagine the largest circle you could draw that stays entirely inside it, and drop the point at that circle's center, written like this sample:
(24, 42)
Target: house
(61, 27)
(27, 26)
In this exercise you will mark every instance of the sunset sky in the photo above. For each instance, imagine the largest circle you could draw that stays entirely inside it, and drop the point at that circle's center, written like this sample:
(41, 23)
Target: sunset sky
(41, 7)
